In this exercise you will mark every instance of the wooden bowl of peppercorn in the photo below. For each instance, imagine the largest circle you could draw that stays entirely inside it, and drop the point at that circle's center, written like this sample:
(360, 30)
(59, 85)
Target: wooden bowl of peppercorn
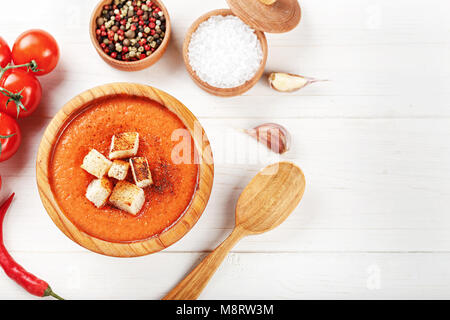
(223, 92)
(137, 40)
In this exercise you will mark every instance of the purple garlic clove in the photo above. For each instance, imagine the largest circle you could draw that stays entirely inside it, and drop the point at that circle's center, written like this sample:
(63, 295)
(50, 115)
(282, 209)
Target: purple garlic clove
(273, 136)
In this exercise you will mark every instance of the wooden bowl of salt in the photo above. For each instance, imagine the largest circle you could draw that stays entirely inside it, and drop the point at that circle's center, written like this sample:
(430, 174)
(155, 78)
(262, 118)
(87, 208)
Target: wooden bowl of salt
(225, 51)
(203, 78)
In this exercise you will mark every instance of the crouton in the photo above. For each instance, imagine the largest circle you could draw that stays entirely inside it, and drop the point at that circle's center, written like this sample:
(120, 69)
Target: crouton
(124, 145)
(119, 170)
(141, 172)
(96, 164)
(128, 197)
(99, 191)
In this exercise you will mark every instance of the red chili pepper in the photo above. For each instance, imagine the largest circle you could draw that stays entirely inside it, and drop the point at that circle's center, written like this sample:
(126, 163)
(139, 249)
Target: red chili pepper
(29, 282)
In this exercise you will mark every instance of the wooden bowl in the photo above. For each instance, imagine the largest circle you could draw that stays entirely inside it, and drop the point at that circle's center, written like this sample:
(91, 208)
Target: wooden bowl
(138, 248)
(222, 92)
(133, 65)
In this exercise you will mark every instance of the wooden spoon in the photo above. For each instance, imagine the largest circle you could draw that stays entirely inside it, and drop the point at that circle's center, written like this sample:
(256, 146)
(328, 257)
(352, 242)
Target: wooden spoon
(263, 205)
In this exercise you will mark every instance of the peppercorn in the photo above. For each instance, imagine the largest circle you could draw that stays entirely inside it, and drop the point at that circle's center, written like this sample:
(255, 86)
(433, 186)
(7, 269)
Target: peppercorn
(100, 21)
(130, 34)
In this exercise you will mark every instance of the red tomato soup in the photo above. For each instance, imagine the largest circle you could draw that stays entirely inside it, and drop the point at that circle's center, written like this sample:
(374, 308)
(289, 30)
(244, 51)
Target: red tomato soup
(166, 200)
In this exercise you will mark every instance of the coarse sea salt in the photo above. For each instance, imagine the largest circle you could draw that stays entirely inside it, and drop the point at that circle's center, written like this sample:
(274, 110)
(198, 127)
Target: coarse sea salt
(225, 52)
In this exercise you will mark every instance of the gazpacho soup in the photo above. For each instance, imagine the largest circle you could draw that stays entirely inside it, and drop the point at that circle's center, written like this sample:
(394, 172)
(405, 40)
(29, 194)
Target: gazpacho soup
(113, 172)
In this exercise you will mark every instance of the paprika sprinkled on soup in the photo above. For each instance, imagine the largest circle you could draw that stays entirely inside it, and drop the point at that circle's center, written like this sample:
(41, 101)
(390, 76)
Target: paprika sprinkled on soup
(173, 185)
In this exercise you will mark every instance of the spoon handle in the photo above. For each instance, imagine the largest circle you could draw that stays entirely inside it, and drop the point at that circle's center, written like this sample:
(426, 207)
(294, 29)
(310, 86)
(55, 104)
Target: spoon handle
(194, 283)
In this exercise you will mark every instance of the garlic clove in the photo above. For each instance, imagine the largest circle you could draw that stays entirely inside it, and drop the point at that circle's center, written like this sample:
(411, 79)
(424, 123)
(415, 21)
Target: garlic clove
(273, 136)
(286, 82)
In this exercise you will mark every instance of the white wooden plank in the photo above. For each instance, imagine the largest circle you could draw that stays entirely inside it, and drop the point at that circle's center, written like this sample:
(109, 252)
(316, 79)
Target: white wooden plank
(388, 68)
(375, 185)
(372, 143)
(242, 276)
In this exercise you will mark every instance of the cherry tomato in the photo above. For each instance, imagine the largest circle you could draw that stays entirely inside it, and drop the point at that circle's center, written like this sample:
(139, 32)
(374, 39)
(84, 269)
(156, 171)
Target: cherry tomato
(37, 45)
(16, 80)
(5, 53)
(9, 128)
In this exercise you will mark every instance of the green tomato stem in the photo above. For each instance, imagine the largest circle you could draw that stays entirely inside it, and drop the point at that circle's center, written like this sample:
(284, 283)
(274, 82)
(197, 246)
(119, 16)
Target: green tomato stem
(16, 97)
(5, 137)
(30, 66)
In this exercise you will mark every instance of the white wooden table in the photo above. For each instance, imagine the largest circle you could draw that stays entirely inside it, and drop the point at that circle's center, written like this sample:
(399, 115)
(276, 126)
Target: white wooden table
(373, 143)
